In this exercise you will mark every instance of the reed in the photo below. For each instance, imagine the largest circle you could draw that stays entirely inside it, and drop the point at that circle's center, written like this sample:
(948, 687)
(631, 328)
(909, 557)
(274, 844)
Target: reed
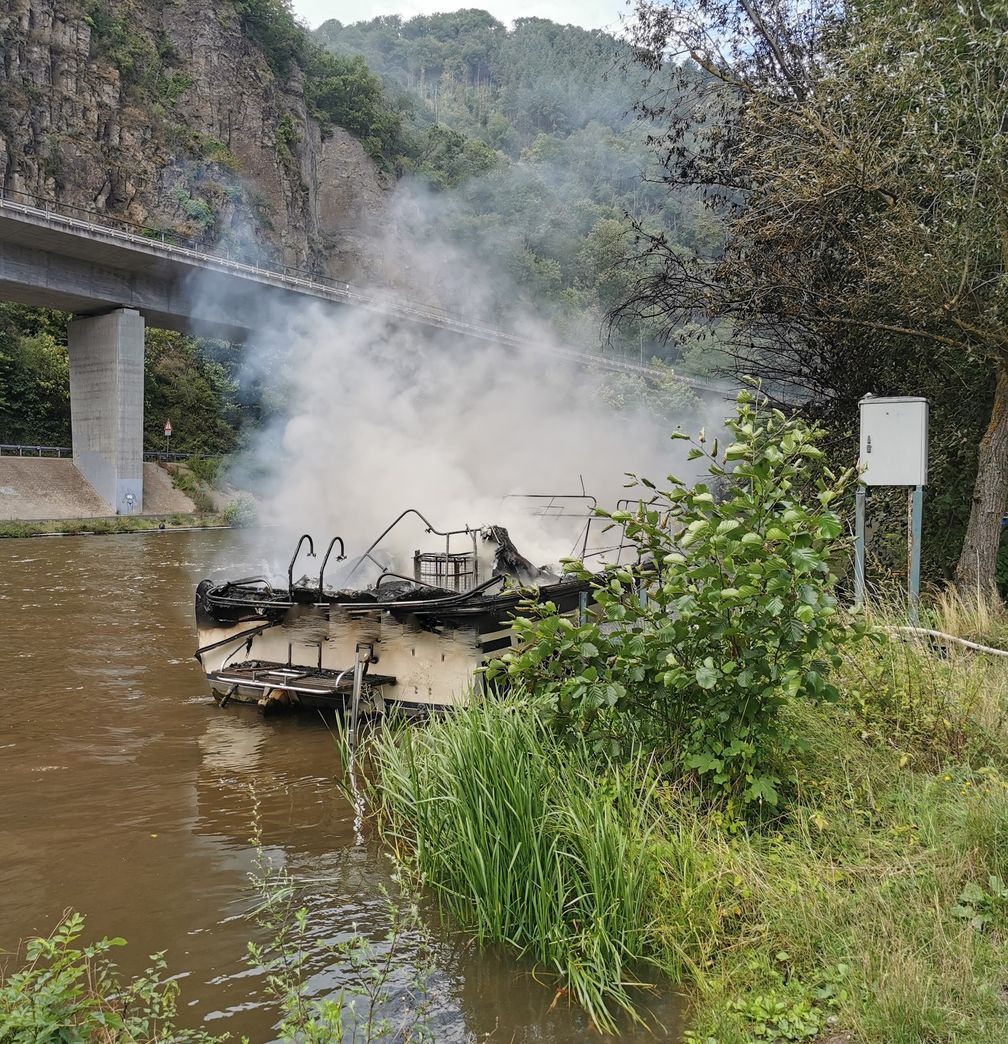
(981, 617)
(526, 842)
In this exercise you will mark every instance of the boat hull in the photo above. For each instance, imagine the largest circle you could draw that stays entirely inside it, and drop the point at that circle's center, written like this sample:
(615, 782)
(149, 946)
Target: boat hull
(418, 658)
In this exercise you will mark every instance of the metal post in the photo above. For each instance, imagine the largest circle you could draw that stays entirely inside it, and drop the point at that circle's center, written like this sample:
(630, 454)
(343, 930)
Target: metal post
(915, 511)
(859, 546)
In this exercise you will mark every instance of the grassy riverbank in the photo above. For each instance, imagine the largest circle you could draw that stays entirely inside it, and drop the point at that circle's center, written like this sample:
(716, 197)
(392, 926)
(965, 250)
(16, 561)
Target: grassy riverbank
(114, 524)
(873, 907)
(720, 779)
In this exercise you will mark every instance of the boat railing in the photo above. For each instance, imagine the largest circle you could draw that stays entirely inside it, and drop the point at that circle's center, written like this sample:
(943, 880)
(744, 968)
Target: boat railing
(339, 558)
(430, 528)
(290, 568)
(564, 506)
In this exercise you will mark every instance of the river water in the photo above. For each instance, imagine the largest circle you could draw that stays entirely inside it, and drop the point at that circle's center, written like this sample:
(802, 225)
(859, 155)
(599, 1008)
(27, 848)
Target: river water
(126, 793)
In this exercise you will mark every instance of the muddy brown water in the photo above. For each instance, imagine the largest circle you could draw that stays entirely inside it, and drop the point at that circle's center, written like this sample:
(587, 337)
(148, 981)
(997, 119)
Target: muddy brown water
(125, 794)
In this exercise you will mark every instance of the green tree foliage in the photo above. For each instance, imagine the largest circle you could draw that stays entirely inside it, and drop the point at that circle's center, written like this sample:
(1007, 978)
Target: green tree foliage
(466, 69)
(444, 158)
(185, 382)
(855, 159)
(189, 381)
(532, 127)
(339, 89)
(34, 377)
(726, 614)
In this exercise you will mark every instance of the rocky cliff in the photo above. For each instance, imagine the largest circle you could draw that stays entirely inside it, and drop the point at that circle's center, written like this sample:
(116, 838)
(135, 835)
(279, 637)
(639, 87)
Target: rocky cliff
(165, 113)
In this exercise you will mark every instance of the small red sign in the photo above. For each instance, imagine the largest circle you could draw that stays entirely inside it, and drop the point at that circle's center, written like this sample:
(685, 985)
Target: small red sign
(167, 429)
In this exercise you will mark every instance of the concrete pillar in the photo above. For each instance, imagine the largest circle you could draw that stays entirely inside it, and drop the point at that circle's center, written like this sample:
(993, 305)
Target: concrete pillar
(106, 405)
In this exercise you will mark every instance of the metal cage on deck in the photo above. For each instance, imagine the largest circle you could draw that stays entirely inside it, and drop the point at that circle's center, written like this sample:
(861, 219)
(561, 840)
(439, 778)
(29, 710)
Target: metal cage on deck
(454, 571)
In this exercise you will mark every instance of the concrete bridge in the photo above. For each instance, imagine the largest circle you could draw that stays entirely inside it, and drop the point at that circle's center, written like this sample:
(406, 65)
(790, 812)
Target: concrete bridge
(116, 277)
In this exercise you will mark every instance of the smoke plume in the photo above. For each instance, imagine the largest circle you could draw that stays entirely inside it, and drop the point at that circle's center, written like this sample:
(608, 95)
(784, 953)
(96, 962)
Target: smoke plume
(375, 415)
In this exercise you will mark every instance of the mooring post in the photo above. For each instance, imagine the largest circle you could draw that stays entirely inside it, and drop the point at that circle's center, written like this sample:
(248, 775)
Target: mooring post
(859, 546)
(915, 511)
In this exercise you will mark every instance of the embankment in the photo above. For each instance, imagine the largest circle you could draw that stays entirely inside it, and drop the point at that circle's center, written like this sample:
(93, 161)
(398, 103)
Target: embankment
(33, 488)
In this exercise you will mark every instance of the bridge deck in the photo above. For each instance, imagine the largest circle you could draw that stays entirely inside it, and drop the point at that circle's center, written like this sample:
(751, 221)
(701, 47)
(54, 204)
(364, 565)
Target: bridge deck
(51, 258)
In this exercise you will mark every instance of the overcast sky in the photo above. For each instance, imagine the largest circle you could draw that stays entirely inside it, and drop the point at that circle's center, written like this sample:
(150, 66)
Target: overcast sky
(592, 14)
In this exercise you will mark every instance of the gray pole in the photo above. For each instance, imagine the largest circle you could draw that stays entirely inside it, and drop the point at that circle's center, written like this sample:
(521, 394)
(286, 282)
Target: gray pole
(916, 511)
(859, 546)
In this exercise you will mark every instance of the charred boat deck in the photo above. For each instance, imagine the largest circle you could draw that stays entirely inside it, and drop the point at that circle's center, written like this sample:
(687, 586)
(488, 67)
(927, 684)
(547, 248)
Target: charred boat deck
(432, 632)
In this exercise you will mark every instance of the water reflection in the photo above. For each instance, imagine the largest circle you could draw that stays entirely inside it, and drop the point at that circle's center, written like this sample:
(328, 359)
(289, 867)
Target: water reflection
(128, 795)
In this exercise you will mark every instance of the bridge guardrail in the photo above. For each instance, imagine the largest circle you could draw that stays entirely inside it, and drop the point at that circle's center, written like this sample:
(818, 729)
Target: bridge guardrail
(8, 449)
(16, 449)
(176, 247)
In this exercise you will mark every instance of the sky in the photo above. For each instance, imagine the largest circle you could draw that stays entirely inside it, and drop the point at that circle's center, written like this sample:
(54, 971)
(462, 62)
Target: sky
(591, 14)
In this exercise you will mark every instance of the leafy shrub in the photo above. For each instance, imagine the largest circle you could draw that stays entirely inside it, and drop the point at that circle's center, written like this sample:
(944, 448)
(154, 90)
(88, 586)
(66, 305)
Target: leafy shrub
(16, 529)
(206, 469)
(240, 513)
(66, 993)
(727, 613)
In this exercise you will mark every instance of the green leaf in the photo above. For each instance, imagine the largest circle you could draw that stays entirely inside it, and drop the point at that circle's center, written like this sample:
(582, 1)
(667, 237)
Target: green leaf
(706, 677)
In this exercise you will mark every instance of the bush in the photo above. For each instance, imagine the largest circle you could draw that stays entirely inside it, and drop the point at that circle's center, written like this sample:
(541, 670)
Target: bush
(63, 993)
(16, 529)
(206, 469)
(241, 513)
(727, 613)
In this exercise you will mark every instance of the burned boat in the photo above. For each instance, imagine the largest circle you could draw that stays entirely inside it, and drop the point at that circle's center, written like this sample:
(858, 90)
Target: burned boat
(381, 638)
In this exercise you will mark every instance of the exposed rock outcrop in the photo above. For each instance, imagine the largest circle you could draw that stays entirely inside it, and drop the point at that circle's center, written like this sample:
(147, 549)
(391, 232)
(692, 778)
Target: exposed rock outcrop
(168, 115)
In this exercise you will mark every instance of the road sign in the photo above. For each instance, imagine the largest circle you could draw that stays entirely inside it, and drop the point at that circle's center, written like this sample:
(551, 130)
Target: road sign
(167, 429)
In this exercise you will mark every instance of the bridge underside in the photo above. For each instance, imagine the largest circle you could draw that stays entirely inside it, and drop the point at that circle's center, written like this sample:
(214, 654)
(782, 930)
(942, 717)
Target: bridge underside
(115, 282)
(199, 302)
(114, 294)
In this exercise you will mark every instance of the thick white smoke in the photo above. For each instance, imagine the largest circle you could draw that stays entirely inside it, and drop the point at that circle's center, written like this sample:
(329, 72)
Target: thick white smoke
(379, 415)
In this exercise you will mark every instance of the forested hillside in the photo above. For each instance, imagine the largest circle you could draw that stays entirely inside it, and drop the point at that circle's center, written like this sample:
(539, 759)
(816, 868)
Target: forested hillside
(546, 158)
(191, 382)
(471, 73)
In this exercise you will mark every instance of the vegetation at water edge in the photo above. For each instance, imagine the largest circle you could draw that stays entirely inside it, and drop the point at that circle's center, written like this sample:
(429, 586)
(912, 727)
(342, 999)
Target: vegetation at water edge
(799, 817)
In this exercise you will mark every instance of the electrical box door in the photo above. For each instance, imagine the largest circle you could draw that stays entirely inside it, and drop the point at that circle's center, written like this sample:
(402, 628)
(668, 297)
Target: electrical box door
(894, 437)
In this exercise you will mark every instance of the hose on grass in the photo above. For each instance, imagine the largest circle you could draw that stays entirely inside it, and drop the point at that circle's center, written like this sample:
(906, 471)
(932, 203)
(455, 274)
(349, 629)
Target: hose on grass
(925, 632)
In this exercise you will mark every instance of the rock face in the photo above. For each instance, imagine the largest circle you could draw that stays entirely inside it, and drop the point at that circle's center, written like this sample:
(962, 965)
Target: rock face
(164, 113)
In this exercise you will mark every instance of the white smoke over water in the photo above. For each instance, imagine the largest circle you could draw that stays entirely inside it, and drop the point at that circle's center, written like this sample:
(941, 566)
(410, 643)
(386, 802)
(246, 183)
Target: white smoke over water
(378, 416)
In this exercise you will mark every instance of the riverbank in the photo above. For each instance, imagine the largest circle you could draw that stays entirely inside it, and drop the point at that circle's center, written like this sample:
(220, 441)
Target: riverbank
(718, 779)
(35, 489)
(872, 906)
(105, 525)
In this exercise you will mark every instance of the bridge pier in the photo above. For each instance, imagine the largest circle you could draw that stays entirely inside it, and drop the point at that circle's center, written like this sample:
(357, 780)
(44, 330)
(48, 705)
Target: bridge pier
(106, 405)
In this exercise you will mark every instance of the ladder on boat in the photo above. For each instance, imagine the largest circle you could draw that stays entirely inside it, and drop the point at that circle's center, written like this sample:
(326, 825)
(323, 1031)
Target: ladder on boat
(281, 684)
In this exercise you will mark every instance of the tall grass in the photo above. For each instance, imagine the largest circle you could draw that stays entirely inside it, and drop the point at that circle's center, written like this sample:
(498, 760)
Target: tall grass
(525, 842)
(981, 618)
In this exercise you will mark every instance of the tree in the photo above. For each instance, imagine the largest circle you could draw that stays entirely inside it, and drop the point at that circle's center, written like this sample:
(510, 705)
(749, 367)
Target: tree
(856, 158)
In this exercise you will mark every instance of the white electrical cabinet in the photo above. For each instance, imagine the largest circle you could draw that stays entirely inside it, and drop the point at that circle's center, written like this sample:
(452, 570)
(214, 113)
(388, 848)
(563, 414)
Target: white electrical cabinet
(894, 441)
